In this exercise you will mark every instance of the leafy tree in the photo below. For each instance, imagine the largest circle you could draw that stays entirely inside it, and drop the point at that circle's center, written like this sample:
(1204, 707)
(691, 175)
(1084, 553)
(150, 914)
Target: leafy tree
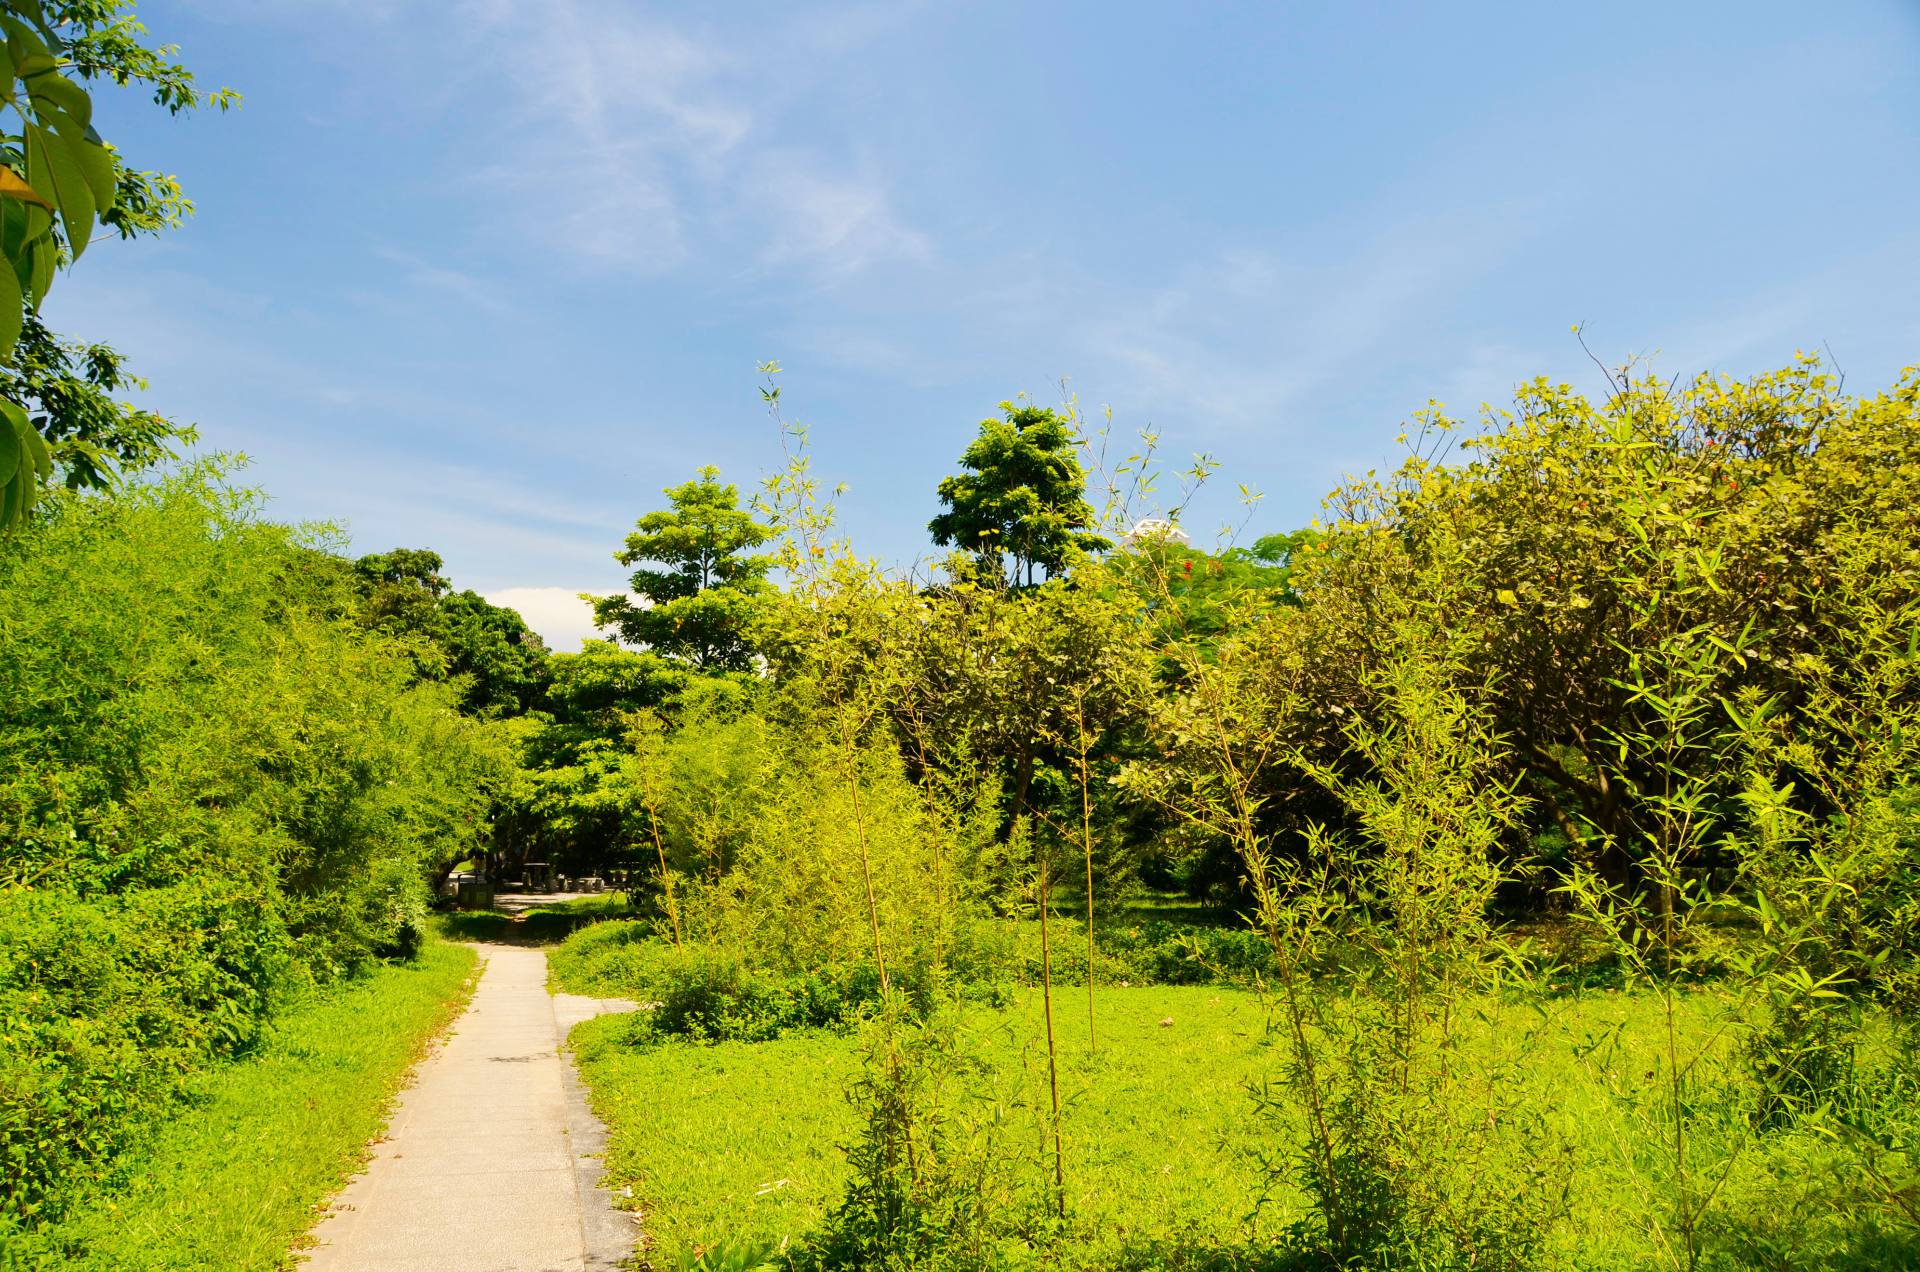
(58, 179)
(1198, 595)
(210, 797)
(402, 588)
(1597, 541)
(594, 690)
(67, 390)
(457, 634)
(1021, 504)
(573, 802)
(697, 606)
(504, 660)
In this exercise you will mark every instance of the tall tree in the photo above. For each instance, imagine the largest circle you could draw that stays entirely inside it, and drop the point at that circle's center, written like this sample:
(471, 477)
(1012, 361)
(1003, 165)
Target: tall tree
(504, 660)
(452, 634)
(696, 605)
(1021, 503)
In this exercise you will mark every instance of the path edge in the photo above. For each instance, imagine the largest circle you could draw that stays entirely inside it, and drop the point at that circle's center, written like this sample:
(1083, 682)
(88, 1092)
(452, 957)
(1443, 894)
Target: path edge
(607, 1234)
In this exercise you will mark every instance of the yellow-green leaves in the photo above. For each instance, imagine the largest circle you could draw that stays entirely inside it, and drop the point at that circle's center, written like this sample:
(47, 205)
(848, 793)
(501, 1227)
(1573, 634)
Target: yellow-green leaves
(12, 303)
(52, 167)
(67, 166)
(51, 90)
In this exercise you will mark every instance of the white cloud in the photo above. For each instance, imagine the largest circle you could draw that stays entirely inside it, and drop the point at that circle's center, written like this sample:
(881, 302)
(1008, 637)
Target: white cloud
(557, 613)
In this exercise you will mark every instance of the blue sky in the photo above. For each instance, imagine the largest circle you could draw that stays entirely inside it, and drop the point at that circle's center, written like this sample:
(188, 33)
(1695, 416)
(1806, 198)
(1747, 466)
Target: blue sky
(485, 275)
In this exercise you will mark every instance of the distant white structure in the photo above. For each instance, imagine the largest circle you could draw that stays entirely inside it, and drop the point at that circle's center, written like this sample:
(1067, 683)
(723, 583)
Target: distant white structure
(1157, 530)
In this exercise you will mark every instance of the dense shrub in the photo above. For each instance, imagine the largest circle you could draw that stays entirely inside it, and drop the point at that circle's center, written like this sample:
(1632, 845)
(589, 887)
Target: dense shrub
(710, 994)
(1151, 952)
(211, 795)
(1645, 663)
(104, 1006)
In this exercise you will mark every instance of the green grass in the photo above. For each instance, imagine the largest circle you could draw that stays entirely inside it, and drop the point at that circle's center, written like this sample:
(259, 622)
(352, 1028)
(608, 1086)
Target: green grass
(740, 1143)
(601, 905)
(541, 925)
(233, 1181)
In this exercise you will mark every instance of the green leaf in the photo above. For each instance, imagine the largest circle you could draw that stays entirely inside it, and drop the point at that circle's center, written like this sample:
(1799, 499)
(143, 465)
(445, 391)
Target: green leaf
(94, 160)
(11, 304)
(46, 258)
(25, 47)
(12, 451)
(37, 448)
(20, 224)
(18, 490)
(51, 168)
(31, 460)
(60, 93)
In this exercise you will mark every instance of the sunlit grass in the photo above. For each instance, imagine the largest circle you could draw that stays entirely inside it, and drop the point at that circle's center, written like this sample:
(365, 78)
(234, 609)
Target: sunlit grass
(739, 1143)
(538, 925)
(233, 1182)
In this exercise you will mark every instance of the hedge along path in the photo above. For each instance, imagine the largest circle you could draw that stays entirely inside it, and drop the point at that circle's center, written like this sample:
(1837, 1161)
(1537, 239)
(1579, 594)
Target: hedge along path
(492, 1159)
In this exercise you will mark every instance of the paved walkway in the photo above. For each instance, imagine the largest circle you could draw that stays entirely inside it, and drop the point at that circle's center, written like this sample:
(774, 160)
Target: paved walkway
(492, 1158)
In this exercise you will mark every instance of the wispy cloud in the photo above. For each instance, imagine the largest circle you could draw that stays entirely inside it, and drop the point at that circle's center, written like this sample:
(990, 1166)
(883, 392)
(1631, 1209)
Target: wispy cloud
(465, 288)
(1250, 336)
(842, 222)
(633, 144)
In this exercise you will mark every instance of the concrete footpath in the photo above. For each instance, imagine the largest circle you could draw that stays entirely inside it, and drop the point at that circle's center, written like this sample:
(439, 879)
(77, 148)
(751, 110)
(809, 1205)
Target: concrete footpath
(492, 1158)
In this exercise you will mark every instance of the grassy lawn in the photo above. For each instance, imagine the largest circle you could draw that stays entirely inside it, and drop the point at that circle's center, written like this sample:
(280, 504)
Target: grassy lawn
(233, 1181)
(739, 1143)
(539, 925)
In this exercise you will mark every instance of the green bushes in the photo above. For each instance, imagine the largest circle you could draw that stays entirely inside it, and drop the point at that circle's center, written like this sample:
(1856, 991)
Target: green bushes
(1150, 952)
(706, 995)
(107, 1005)
(211, 796)
(709, 994)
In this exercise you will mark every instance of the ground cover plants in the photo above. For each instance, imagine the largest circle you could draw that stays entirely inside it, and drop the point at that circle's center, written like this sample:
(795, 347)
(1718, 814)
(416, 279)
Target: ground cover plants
(737, 1147)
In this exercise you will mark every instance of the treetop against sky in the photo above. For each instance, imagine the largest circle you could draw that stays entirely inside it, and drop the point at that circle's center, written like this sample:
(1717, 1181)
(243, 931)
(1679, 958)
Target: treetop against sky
(486, 277)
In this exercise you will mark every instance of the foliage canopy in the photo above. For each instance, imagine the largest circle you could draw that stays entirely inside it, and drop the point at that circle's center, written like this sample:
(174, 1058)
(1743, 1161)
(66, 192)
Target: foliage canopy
(696, 607)
(1021, 503)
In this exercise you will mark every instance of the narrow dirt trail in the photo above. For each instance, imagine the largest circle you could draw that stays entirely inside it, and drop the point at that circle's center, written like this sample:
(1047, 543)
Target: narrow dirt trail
(492, 1158)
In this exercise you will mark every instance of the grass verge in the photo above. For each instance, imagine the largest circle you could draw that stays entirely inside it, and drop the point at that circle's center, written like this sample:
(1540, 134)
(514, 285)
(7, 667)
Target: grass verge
(233, 1181)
